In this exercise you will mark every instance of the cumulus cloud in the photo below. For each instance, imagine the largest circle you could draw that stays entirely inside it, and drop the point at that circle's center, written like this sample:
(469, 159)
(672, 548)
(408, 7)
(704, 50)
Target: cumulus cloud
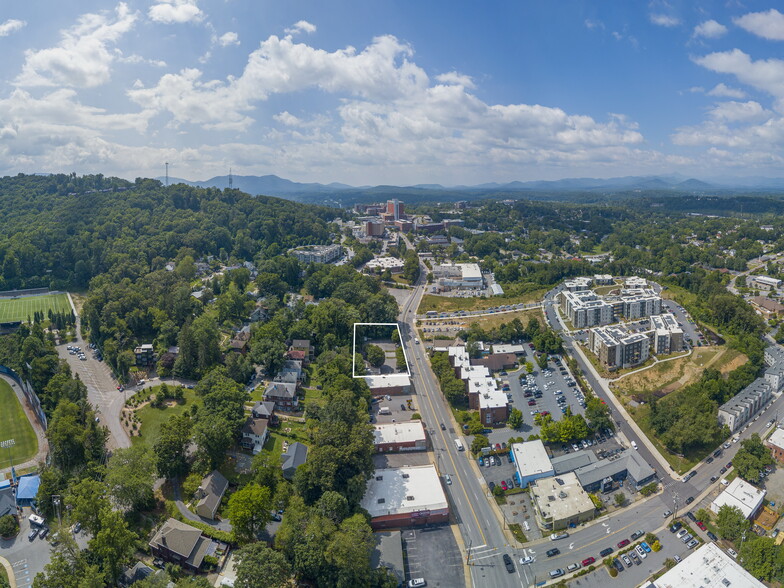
(764, 74)
(733, 111)
(230, 38)
(768, 25)
(82, 58)
(301, 26)
(724, 91)
(11, 26)
(592, 24)
(457, 79)
(710, 29)
(664, 20)
(175, 12)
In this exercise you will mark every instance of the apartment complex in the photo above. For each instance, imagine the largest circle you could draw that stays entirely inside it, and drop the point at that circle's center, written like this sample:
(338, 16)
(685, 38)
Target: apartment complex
(317, 253)
(616, 348)
(584, 308)
(745, 404)
(483, 392)
(666, 335)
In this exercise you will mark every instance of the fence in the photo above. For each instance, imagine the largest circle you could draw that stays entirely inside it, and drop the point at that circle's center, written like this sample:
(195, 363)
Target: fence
(28, 292)
(30, 395)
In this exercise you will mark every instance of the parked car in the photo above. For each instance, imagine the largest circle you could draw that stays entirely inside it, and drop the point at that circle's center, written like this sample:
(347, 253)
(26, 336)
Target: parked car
(640, 552)
(606, 551)
(588, 561)
(690, 499)
(573, 567)
(646, 547)
(675, 526)
(638, 533)
(667, 513)
(701, 525)
(617, 564)
(623, 543)
(626, 560)
(33, 534)
(557, 536)
(712, 537)
(556, 573)
(692, 544)
(417, 583)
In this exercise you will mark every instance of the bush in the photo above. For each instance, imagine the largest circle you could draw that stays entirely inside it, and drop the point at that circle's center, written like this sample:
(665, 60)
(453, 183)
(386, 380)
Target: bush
(613, 572)
(649, 489)
(655, 546)
(8, 526)
(650, 538)
(416, 417)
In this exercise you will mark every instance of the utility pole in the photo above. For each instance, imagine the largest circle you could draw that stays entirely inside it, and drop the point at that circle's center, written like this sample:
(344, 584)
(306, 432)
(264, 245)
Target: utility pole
(468, 553)
(56, 504)
(167, 173)
(8, 444)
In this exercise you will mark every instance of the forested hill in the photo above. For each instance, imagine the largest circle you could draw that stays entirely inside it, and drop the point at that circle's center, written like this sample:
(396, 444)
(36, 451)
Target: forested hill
(61, 230)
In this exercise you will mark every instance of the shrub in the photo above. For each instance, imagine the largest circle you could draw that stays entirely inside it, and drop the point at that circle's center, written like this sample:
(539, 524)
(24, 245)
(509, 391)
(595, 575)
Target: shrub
(416, 417)
(649, 489)
(613, 572)
(650, 538)
(9, 526)
(655, 546)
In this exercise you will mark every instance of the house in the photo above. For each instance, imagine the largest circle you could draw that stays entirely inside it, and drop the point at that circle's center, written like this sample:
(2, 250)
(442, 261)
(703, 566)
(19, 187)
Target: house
(254, 434)
(283, 395)
(7, 501)
(145, 355)
(239, 343)
(264, 410)
(137, 573)
(295, 456)
(303, 345)
(181, 544)
(210, 493)
(775, 443)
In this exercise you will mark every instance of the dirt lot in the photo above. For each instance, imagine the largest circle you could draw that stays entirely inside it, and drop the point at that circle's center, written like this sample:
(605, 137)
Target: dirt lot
(671, 375)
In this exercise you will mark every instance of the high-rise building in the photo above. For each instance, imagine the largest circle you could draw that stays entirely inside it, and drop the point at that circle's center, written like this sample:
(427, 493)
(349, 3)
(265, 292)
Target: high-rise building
(395, 208)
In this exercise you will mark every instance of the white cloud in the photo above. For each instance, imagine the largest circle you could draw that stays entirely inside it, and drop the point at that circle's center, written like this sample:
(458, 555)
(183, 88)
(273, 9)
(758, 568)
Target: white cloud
(457, 79)
(764, 74)
(768, 25)
(230, 38)
(732, 111)
(175, 11)
(664, 20)
(11, 26)
(82, 58)
(710, 29)
(592, 24)
(724, 91)
(301, 26)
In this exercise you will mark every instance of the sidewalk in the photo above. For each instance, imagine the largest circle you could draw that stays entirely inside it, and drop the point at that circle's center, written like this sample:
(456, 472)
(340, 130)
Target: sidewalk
(9, 571)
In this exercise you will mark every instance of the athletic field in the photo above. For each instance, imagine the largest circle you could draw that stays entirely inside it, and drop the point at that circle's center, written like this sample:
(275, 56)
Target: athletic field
(14, 425)
(20, 309)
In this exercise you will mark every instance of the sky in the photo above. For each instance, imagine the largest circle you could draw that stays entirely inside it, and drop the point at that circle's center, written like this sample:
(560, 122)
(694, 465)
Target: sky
(398, 92)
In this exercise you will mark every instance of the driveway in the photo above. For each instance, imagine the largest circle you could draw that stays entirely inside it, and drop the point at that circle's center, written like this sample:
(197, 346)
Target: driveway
(221, 525)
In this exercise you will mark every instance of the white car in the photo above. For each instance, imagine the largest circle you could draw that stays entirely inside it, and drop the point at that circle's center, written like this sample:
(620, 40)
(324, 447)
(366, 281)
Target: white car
(681, 533)
(526, 560)
(417, 583)
(641, 552)
(732, 552)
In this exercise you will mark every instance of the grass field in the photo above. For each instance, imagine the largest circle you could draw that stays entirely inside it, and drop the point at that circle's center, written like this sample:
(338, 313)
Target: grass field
(14, 425)
(496, 320)
(20, 309)
(153, 419)
(453, 303)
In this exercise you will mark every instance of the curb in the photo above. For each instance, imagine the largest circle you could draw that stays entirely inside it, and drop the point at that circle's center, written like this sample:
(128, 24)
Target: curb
(9, 571)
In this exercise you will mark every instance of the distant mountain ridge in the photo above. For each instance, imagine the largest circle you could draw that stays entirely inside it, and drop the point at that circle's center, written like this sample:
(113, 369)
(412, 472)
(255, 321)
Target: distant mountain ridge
(344, 194)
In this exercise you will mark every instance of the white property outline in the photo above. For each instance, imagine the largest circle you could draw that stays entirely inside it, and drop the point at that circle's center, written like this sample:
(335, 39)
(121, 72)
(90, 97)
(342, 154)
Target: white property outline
(354, 347)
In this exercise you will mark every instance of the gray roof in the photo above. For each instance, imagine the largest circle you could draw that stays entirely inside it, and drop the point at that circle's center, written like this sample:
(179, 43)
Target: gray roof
(264, 409)
(7, 501)
(638, 467)
(388, 553)
(213, 485)
(295, 456)
(572, 461)
(178, 537)
(631, 461)
(281, 390)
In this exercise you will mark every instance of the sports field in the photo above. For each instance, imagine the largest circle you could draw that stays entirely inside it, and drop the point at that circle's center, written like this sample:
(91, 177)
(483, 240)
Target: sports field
(20, 309)
(14, 425)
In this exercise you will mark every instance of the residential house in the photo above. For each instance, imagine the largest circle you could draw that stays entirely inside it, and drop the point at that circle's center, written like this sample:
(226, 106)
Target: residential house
(7, 501)
(295, 456)
(303, 345)
(210, 493)
(239, 343)
(145, 355)
(283, 394)
(264, 410)
(181, 544)
(254, 434)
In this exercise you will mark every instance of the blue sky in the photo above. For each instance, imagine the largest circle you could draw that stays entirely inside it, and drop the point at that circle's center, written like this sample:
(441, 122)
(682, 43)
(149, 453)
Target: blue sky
(393, 92)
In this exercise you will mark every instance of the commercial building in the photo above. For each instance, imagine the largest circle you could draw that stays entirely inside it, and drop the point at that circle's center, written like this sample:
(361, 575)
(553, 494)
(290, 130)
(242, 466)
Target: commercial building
(666, 335)
(317, 253)
(396, 209)
(763, 282)
(405, 497)
(560, 501)
(776, 444)
(745, 404)
(404, 226)
(483, 392)
(393, 264)
(374, 228)
(707, 566)
(741, 495)
(617, 349)
(602, 475)
(460, 276)
(393, 384)
(766, 307)
(531, 461)
(393, 437)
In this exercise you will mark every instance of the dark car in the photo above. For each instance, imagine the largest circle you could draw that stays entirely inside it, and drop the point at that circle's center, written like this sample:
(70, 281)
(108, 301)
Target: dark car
(43, 532)
(675, 527)
(691, 516)
(443, 427)
(717, 453)
(508, 563)
(402, 406)
(709, 460)
(729, 464)
(491, 485)
(33, 534)
(553, 552)
(723, 471)
(276, 517)
(605, 552)
(690, 499)
(638, 533)
(712, 537)
(623, 543)
(617, 564)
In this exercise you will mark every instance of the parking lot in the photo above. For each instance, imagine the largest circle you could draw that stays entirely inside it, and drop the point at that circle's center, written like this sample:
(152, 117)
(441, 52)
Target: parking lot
(397, 406)
(432, 553)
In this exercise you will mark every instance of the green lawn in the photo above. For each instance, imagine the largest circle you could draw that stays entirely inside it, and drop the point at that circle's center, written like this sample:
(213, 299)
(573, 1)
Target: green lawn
(154, 418)
(20, 309)
(454, 303)
(14, 425)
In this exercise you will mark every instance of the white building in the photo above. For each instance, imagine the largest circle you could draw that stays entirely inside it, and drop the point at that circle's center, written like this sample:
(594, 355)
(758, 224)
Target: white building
(578, 284)
(707, 567)
(393, 264)
(462, 276)
(666, 335)
(317, 253)
(765, 282)
(603, 280)
(482, 389)
(531, 461)
(635, 282)
(389, 384)
(742, 495)
(408, 436)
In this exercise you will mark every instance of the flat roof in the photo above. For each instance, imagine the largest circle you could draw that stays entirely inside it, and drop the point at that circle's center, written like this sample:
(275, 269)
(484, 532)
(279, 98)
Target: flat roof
(531, 458)
(742, 495)
(561, 497)
(398, 432)
(387, 381)
(707, 566)
(509, 349)
(404, 490)
(777, 438)
(470, 271)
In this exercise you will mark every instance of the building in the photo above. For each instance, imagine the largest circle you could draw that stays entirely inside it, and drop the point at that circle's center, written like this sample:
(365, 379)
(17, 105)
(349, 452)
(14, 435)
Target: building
(635, 282)
(392, 384)
(459, 276)
(617, 349)
(497, 361)
(745, 404)
(181, 544)
(666, 335)
(7, 501)
(496, 289)
(584, 309)
(531, 461)
(210, 493)
(742, 495)
(763, 282)
(774, 375)
(767, 308)
(404, 226)
(775, 443)
(145, 355)
(605, 474)
(394, 437)
(295, 456)
(396, 209)
(264, 410)
(483, 392)
(304, 346)
(560, 502)
(393, 264)
(317, 253)
(254, 434)
(603, 280)
(707, 566)
(27, 490)
(239, 343)
(388, 553)
(578, 284)
(518, 350)
(283, 394)
(374, 228)
(405, 497)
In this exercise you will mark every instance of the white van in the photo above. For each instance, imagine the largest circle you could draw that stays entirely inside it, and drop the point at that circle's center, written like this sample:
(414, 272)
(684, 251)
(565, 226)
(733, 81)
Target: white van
(634, 445)
(384, 410)
(459, 445)
(36, 521)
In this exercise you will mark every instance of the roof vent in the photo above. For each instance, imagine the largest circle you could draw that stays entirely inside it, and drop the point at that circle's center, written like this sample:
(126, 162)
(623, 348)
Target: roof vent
(379, 478)
(409, 498)
(405, 476)
(382, 500)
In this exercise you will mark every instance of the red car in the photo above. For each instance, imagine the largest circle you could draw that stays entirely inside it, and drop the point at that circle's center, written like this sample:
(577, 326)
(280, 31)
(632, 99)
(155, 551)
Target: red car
(503, 485)
(588, 561)
(701, 525)
(623, 543)
(532, 403)
(545, 412)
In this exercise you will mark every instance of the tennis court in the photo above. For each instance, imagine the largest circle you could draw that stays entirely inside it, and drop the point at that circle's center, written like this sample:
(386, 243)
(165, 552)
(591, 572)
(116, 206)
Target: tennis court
(20, 309)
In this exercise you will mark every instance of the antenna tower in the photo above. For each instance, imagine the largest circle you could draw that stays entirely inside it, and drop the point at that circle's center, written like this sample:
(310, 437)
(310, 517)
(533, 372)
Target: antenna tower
(231, 180)
(167, 173)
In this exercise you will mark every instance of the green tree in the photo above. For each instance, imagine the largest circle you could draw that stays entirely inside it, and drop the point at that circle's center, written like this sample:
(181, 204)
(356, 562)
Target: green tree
(86, 500)
(761, 557)
(170, 448)
(620, 499)
(114, 544)
(478, 443)
(375, 355)
(349, 550)
(130, 474)
(515, 419)
(213, 435)
(8, 526)
(751, 458)
(704, 515)
(598, 414)
(529, 367)
(258, 566)
(731, 523)
(265, 469)
(68, 568)
(541, 360)
(249, 511)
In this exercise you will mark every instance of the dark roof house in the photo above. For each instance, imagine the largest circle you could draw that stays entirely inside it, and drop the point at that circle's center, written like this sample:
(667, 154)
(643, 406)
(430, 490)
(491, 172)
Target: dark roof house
(295, 456)
(180, 543)
(210, 493)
